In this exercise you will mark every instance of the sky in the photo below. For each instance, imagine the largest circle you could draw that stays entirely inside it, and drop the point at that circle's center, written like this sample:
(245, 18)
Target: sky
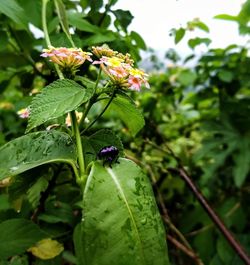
(153, 20)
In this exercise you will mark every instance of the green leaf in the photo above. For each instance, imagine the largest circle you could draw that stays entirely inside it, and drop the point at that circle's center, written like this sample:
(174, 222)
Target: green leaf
(192, 43)
(124, 17)
(226, 17)
(226, 76)
(121, 221)
(186, 77)
(128, 113)
(56, 99)
(100, 38)
(32, 10)
(35, 149)
(139, 40)
(179, 34)
(202, 26)
(34, 192)
(17, 235)
(242, 162)
(76, 20)
(57, 212)
(14, 11)
(78, 244)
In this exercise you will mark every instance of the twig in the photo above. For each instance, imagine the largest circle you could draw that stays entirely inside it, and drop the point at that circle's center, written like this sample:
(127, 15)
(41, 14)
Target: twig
(215, 218)
(184, 249)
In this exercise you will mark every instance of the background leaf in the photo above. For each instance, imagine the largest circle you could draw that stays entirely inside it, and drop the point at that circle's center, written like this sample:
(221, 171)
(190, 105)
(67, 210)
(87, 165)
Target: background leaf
(56, 99)
(121, 221)
(14, 11)
(35, 149)
(17, 235)
(127, 111)
(46, 249)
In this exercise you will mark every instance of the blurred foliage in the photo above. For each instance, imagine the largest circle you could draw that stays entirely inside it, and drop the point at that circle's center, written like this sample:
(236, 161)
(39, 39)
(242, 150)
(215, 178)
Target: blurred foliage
(201, 112)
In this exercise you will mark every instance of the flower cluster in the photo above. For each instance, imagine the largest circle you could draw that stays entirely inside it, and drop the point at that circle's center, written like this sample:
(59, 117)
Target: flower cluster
(70, 58)
(120, 68)
(24, 113)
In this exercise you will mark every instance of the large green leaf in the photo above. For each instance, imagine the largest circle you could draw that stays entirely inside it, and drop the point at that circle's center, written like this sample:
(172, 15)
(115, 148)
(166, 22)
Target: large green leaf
(121, 222)
(35, 149)
(17, 235)
(128, 113)
(14, 11)
(58, 98)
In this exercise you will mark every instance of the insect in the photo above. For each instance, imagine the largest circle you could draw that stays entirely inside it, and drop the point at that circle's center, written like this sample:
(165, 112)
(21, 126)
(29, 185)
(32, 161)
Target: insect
(108, 154)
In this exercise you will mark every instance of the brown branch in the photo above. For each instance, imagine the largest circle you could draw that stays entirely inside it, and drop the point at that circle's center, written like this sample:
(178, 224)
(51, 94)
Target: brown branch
(184, 249)
(212, 214)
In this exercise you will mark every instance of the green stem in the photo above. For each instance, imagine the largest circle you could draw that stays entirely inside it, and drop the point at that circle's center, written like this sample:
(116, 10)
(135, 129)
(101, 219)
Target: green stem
(91, 101)
(46, 35)
(62, 18)
(80, 177)
(81, 162)
(44, 22)
(102, 112)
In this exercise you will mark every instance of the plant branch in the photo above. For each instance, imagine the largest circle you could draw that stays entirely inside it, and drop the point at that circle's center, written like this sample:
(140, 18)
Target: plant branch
(211, 213)
(101, 113)
(184, 249)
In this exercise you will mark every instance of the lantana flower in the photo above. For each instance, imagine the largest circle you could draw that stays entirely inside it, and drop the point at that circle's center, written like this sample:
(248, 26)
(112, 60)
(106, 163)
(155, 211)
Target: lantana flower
(69, 58)
(24, 113)
(120, 69)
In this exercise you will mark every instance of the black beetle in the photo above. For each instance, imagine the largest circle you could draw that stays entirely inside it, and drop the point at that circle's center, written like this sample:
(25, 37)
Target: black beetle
(109, 154)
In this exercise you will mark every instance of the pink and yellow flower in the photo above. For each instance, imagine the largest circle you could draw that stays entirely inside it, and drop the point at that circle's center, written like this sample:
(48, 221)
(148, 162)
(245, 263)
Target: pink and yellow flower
(24, 113)
(70, 58)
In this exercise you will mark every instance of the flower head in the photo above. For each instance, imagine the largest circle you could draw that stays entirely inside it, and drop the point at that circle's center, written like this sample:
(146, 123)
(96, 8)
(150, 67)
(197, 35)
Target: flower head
(70, 58)
(103, 50)
(24, 113)
(120, 68)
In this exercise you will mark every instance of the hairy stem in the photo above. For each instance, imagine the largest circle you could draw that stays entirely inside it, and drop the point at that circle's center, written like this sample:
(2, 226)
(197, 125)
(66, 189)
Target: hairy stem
(101, 113)
(82, 179)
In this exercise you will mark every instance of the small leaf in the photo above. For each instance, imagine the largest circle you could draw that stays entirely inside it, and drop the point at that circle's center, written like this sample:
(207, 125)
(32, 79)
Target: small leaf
(128, 113)
(76, 20)
(99, 38)
(226, 17)
(35, 149)
(17, 235)
(139, 40)
(202, 26)
(192, 43)
(121, 221)
(242, 162)
(46, 249)
(124, 17)
(34, 192)
(179, 34)
(226, 76)
(56, 99)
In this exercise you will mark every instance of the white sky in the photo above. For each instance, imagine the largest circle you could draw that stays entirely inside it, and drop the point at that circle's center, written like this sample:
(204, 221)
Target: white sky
(153, 20)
